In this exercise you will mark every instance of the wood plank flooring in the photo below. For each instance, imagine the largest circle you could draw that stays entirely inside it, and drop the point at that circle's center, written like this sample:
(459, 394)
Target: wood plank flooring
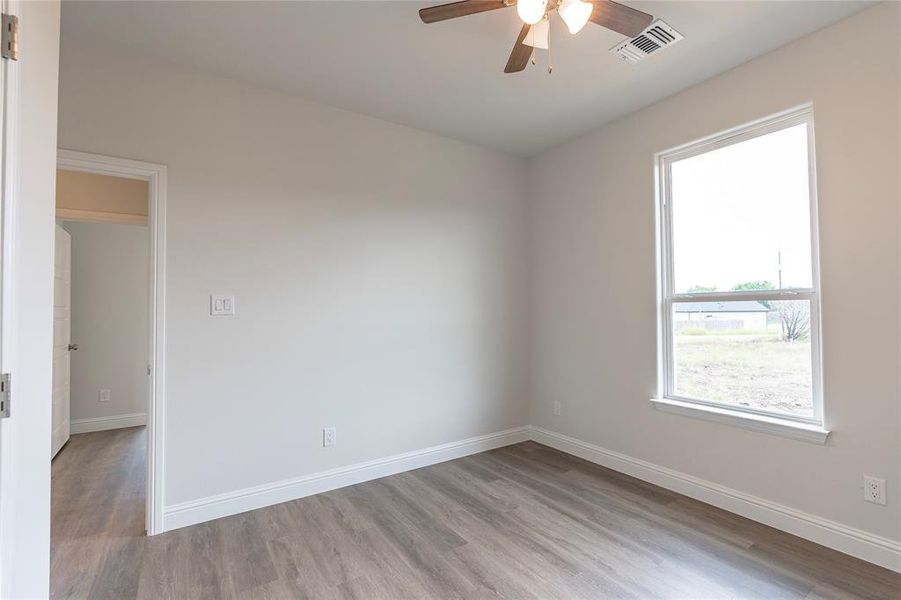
(524, 521)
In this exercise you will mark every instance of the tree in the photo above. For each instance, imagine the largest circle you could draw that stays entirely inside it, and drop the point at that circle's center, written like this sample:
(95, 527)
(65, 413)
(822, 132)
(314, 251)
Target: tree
(756, 285)
(795, 320)
(696, 289)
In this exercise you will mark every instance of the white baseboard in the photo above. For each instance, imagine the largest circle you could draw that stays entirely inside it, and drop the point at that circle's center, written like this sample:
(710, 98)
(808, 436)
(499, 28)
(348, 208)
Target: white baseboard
(104, 423)
(231, 503)
(849, 540)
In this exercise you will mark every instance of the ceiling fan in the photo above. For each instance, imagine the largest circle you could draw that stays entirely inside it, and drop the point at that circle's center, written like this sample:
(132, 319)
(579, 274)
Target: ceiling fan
(535, 14)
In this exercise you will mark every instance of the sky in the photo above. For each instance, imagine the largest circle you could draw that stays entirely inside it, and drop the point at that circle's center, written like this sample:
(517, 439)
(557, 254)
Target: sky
(737, 208)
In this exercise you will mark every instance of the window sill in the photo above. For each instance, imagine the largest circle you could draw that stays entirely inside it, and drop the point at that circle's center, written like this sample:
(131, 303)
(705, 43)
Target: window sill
(773, 425)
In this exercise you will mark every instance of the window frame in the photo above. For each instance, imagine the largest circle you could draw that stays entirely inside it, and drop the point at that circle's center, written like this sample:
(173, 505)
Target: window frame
(667, 297)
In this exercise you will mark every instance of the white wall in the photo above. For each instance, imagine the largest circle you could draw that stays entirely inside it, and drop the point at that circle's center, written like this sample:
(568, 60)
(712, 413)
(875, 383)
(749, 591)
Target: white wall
(28, 310)
(593, 284)
(380, 273)
(109, 319)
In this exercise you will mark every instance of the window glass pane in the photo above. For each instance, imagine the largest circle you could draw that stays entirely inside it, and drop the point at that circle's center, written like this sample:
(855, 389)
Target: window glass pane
(752, 354)
(741, 215)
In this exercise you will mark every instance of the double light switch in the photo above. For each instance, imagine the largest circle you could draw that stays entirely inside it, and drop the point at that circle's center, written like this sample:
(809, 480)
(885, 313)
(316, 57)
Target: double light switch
(222, 305)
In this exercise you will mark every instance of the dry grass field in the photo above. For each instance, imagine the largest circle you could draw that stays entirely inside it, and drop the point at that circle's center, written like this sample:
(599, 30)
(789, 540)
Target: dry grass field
(753, 369)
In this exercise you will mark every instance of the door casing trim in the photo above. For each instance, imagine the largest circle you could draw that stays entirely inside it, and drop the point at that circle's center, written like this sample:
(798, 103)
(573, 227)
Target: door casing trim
(155, 175)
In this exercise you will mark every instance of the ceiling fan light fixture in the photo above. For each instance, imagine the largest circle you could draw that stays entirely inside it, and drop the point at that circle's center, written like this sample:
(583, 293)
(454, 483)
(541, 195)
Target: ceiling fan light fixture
(531, 11)
(575, 14)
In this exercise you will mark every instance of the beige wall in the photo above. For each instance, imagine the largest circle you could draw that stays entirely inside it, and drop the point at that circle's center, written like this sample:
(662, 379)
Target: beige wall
(379, 272)
(594, 276)
(94, 197)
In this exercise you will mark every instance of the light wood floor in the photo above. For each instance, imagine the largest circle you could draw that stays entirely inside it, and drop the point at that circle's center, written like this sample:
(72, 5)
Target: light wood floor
(520, 522)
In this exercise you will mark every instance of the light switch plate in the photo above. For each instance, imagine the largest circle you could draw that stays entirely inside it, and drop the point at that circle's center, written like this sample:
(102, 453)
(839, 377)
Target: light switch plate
(221, 306)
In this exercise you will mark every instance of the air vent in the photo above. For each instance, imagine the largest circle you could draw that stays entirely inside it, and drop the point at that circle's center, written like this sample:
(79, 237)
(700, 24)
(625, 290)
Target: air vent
(652, 40)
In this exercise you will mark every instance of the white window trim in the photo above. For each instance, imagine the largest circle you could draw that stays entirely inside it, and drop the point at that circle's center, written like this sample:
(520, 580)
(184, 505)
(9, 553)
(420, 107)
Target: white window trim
(753, 421)
(805, 428)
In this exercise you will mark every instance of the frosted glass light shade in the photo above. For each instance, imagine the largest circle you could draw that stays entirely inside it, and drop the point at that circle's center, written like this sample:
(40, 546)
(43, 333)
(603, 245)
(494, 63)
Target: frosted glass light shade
(575, 14)
(538, 35)
(531, 11)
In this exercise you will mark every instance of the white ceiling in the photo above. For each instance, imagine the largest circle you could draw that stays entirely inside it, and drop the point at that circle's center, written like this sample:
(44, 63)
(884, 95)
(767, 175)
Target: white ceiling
(379, 59)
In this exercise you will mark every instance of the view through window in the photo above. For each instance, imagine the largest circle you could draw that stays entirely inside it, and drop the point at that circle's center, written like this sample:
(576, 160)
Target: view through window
(740, 297)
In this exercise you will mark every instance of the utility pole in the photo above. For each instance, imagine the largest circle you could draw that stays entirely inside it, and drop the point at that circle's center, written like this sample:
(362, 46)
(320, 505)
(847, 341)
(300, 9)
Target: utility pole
(779, 265)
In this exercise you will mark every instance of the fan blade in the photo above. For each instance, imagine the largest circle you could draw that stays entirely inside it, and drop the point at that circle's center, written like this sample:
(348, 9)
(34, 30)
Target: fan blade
(619, 18)
(453, 10)
(521, 53)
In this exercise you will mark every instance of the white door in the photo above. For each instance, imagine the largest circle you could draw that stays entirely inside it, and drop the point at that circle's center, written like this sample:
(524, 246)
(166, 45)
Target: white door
(62, 339)
(29, 169)
(5, 474)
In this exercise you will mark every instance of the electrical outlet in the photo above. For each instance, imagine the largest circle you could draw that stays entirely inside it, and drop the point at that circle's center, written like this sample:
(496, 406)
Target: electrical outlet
(558, 408)
(874, 490)
(329, 436)
(104, 396)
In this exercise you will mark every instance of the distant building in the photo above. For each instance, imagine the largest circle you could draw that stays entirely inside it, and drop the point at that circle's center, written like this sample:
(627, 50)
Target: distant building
(742, 314)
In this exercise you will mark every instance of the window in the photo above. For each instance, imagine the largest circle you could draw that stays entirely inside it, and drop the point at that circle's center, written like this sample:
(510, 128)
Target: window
(739, 316)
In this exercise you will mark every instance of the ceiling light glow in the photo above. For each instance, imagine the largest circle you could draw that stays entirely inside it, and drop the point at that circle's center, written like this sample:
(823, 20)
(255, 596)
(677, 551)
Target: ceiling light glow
(575, 14)
(531, 11)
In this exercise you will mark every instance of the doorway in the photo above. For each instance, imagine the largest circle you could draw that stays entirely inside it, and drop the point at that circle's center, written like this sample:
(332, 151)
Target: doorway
(100, 376)
(100, 345)
(140, 400)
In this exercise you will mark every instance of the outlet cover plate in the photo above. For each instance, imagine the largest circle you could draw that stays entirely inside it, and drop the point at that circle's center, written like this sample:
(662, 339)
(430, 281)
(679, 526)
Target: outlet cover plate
(104, 395)
(874, 490)
(329, 436)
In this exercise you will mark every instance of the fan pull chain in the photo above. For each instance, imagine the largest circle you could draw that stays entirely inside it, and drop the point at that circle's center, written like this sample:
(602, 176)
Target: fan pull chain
(550, 67)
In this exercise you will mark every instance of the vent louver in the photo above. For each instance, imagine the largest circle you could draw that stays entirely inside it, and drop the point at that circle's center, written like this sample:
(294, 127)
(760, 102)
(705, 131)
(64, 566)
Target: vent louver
(656, 37)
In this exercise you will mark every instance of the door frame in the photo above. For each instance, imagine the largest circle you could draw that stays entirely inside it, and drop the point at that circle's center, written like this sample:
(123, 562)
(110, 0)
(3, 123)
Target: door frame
(155, 175)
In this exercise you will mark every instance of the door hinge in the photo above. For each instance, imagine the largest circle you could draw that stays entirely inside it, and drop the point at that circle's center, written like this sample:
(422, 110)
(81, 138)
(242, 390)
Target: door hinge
(10, 41)
(4, 396)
